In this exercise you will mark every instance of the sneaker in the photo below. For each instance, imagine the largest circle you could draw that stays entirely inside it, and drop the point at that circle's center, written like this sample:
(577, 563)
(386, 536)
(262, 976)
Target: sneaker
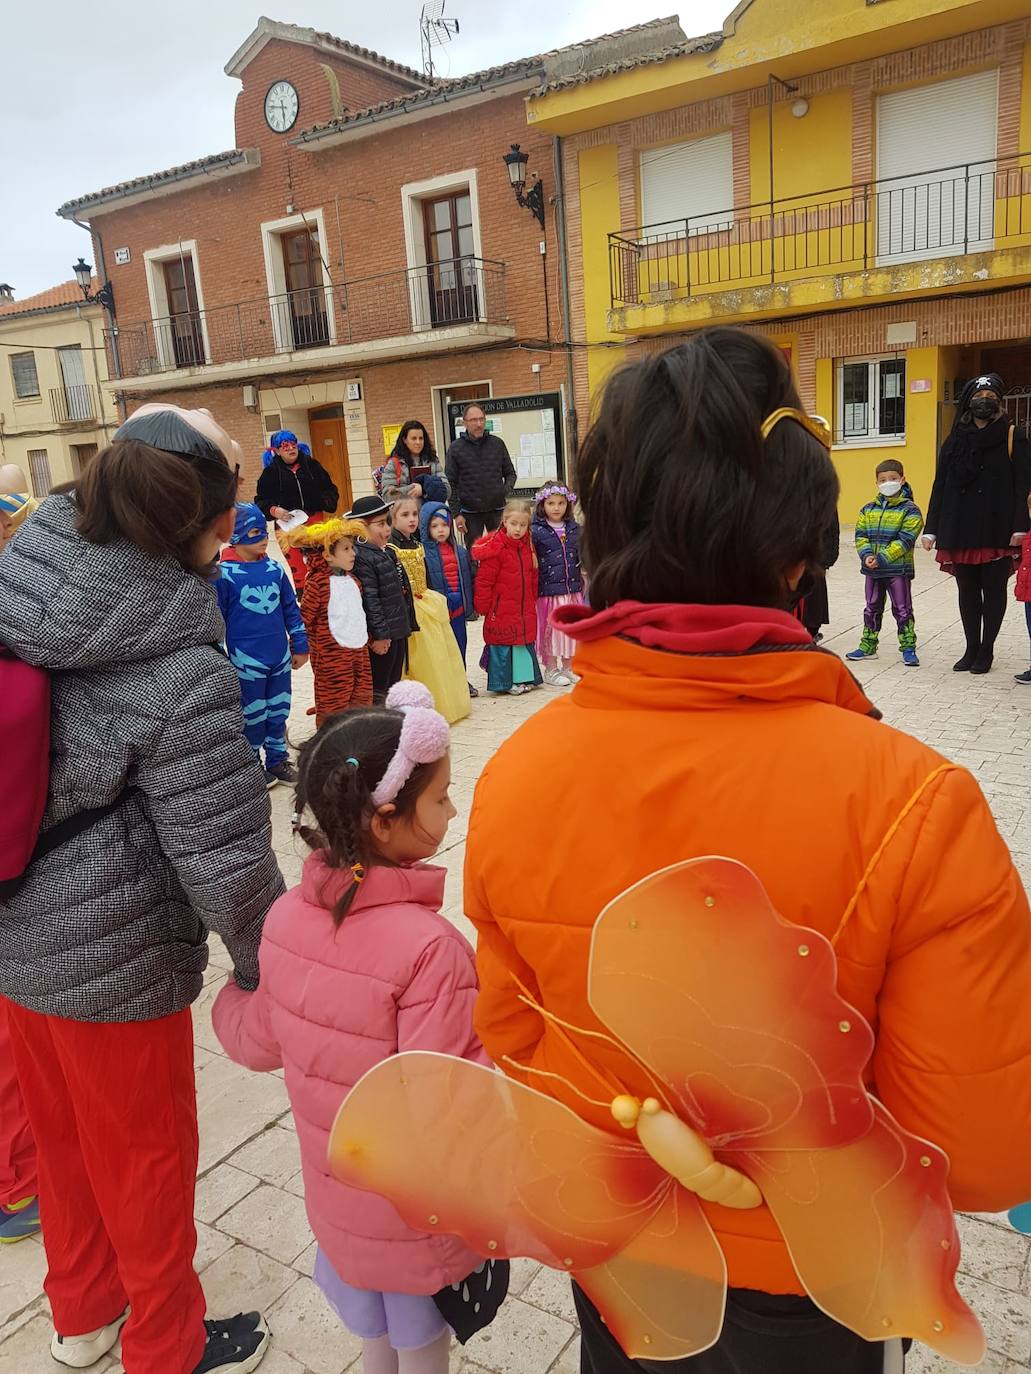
(235, 1346)
(79, 1352)
(19, 1221)
(859, 653)
(1023, 678)
(473, 693)
(554, 677)
(910, 659)
(567, 677)
(282, 772)
(270, 778)
(519, 689)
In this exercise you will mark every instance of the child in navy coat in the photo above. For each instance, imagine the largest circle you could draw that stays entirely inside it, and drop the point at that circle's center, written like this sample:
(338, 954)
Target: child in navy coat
(556, 541)
(448, 570)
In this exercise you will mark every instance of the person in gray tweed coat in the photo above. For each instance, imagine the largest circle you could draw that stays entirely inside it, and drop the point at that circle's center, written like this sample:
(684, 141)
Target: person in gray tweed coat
(104, 945)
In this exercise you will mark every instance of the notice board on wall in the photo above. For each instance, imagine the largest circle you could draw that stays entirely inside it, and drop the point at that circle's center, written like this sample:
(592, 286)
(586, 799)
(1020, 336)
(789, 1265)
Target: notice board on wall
(531, 427)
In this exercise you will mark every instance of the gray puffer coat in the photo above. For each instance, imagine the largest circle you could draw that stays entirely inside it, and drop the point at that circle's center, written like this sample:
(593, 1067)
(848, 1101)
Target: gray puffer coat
(112, 926)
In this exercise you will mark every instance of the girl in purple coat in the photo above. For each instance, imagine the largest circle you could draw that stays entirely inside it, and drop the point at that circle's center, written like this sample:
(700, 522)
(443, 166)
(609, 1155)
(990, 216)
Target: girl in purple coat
(556, 540)
(358, 964)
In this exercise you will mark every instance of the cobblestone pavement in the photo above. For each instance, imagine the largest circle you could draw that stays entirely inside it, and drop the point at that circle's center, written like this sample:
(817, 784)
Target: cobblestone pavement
(255, 1248)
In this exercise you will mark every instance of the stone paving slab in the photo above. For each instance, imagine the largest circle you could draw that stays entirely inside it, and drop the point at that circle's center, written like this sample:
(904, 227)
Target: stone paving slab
(254, 1245)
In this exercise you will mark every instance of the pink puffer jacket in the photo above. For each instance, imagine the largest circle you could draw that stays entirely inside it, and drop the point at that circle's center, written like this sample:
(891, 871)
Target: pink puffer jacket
(332, 1004)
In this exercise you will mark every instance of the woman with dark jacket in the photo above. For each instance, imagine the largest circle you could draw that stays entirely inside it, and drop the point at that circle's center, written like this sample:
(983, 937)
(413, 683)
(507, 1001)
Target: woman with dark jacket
(294, 480)
(978, 513)
(104, 944)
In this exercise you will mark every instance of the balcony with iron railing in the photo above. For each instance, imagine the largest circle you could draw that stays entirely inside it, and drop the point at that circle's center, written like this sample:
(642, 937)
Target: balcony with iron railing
(967, 209)
(411, 301)
(73, 404)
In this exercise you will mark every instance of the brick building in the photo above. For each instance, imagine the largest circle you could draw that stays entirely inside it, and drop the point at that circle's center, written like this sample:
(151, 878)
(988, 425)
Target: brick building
(358, 258)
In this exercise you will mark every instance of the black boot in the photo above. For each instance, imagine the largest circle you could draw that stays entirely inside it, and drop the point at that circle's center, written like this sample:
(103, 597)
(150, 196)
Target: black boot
(983, 662)
(966, 663)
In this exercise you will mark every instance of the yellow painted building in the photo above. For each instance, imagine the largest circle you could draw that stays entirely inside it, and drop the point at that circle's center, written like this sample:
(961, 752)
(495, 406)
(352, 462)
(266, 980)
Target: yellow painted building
(54, 411)
(884, 241)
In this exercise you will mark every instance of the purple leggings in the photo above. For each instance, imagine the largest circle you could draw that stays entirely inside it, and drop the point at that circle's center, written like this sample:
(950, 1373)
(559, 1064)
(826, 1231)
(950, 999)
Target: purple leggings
(900, 589)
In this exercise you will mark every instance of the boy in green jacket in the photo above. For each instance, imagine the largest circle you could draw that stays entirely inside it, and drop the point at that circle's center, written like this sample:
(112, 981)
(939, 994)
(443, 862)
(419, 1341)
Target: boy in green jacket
(886, 534)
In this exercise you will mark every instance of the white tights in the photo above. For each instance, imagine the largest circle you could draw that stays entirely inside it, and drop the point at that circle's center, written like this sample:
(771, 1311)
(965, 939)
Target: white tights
(379, 1357)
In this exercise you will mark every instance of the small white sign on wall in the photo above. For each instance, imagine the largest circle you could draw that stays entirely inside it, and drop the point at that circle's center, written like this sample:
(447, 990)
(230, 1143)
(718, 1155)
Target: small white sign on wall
(122, 256)
(354, 391)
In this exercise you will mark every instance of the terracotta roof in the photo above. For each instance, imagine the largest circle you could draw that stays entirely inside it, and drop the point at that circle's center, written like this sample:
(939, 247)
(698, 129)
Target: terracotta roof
(215, 162)
(56, 298)
(708, 42)
(268, 29)
(539, 65)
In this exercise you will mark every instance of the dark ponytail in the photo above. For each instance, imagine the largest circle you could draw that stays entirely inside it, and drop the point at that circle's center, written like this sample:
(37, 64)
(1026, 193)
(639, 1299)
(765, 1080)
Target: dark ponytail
(682, 499)
(158, 501)
(339, 769)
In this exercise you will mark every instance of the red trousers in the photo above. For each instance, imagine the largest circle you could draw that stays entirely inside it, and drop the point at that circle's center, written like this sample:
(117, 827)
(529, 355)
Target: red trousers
(295, 558)
(17, 1148)
(113, 1108)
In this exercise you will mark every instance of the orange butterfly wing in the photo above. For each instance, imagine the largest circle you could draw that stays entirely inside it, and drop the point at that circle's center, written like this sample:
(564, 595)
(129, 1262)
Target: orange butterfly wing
(872, 1235)
(734, 1009)
(460, 1149)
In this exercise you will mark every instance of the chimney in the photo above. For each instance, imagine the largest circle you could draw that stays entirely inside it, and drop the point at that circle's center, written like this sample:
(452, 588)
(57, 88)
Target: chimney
(6, 293)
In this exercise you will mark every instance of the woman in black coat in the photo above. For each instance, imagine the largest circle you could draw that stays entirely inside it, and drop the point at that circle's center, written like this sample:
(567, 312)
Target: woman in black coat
(978, 513)
(294, 480)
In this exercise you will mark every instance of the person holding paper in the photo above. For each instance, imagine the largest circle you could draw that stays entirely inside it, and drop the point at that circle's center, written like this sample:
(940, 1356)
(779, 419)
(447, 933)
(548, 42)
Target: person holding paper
(294, 480)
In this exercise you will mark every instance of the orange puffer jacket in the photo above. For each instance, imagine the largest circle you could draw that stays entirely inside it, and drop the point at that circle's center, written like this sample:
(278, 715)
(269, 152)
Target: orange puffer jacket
(773, 758)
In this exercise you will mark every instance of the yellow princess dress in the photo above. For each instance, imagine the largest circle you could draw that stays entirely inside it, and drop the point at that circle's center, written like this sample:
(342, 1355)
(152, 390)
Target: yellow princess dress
(433, 654)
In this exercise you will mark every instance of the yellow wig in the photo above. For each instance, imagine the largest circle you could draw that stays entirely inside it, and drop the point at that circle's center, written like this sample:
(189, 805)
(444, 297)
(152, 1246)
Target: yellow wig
(324, 534)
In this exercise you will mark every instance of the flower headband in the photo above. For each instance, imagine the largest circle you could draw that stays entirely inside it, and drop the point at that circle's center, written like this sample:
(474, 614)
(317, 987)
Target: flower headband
(555, 489)
(425, 738)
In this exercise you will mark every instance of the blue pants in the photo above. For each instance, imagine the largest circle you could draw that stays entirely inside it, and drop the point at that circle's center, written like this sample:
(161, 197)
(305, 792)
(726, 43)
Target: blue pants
(265, 698)
(462, 632)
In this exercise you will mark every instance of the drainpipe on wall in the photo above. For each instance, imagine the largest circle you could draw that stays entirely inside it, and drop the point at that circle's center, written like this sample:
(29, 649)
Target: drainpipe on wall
(112, 322)
(563, 282)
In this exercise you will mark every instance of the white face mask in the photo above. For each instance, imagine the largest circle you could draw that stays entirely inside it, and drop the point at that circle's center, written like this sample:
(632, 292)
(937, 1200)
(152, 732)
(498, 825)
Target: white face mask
(889, 488)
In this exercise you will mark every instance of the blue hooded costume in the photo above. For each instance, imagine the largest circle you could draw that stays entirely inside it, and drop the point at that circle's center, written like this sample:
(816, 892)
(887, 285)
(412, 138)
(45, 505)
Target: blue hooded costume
(263, 629)
(459, 599)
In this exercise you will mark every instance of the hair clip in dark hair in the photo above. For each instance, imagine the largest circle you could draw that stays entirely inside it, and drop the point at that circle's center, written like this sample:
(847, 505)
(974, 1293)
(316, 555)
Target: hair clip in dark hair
(295, 820)
(353, 762)
(359, 872)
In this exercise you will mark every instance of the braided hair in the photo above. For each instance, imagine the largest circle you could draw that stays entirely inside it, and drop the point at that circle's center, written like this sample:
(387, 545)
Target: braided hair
(339, 768)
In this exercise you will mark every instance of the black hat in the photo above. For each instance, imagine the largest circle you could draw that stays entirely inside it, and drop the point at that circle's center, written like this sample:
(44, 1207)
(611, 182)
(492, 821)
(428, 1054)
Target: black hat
(986, 381)
(367, 508)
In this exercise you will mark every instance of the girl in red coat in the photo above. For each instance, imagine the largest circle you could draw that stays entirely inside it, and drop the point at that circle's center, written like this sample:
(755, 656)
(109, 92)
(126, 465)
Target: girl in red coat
(506, 596)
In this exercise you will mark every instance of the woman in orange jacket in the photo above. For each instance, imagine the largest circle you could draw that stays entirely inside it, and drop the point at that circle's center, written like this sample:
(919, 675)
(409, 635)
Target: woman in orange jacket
(708, 723)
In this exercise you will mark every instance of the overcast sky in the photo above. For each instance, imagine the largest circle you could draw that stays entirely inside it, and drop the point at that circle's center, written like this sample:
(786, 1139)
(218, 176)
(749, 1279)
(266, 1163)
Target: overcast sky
(99, 93)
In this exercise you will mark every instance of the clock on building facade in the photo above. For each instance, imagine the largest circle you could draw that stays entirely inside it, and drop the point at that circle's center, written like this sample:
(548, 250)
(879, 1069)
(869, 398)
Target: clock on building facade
(282, 104)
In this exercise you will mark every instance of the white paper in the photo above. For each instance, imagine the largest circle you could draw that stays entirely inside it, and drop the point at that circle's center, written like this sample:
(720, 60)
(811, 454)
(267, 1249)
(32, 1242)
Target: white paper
(523, 466)
(537, 467)
(892, 387)
(548, 419)
(526, 445)
(494, 425)
(293, 520)
(539, 448)
(550, 450)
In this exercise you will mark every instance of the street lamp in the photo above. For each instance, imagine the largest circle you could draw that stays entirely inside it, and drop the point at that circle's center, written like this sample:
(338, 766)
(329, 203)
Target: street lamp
(516, 162)
(105, 296)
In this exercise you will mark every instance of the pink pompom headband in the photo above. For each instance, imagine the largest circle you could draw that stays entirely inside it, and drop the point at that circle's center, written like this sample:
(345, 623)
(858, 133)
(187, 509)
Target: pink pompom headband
(425, 738)
(555, 489)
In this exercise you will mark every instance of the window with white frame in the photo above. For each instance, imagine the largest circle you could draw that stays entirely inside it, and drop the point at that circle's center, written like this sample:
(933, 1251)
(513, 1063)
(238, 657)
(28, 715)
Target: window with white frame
(871, 400)
(39, 472)
(449, 282)
(179, 323)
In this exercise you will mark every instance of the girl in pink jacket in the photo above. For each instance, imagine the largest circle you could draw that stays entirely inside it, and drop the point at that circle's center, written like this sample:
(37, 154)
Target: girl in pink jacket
(357, 964)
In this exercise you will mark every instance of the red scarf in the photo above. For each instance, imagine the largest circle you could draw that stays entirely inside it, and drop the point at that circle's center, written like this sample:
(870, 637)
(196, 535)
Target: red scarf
(684, 628)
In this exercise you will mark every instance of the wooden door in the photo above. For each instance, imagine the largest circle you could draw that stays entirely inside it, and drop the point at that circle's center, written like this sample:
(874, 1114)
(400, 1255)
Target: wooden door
(185, 336)
(450, 259)
(329, 446)
(306, 298)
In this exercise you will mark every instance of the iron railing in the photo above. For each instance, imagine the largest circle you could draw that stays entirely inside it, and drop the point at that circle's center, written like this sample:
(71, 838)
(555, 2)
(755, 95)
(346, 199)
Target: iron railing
(973, 207)
(461, 291)
(1017, 405)
(71, 405)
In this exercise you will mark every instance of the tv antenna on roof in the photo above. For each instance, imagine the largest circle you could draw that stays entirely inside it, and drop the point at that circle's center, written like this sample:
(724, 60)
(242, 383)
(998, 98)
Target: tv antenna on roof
(435, 31)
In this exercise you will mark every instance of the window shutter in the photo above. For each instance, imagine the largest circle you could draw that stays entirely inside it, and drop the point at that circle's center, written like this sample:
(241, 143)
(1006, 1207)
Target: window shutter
(936, 149)
(693, 181)
(23, 371)
(39, 472)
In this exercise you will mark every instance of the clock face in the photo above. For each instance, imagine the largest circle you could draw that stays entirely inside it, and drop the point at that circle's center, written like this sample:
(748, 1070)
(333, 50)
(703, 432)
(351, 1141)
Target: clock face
(281, 107)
